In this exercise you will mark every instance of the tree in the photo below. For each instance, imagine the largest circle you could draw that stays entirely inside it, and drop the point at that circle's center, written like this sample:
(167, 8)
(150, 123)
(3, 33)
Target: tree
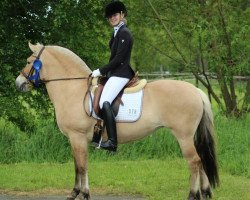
(19, 23)
(210, 30)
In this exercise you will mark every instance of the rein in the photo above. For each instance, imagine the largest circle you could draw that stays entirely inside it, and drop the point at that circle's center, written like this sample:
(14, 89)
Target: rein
(50, 80)
(63, 79)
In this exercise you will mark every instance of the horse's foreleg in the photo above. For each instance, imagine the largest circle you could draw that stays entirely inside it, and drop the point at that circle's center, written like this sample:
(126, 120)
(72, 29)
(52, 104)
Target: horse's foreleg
(79, 148)
(76, 190)
(195, 166)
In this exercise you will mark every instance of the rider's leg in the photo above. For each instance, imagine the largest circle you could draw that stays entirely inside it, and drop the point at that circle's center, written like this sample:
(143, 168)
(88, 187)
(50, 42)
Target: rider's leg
(110, 91)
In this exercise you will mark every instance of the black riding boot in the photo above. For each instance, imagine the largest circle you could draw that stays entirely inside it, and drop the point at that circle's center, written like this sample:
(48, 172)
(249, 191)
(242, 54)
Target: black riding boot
(109, 119)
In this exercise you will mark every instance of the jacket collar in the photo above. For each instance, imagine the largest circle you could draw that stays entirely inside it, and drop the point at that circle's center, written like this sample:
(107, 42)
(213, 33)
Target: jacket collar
(118, 27)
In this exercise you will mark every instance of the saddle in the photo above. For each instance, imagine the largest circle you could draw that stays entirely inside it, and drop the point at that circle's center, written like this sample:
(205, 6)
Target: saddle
(134, 85)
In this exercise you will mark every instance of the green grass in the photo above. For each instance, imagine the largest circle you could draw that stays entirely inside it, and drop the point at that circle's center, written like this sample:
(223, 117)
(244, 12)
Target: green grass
(153, 179)
(233, 138)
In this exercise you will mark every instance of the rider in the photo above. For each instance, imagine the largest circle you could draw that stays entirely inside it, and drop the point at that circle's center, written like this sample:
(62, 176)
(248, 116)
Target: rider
(118, 70)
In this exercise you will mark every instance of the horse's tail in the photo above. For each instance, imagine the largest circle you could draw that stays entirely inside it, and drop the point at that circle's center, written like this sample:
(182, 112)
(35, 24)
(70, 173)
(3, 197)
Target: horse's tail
(205, 142)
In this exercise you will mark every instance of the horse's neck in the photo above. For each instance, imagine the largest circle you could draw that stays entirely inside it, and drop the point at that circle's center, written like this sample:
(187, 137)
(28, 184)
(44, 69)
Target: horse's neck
(63, 67)
(63, 62)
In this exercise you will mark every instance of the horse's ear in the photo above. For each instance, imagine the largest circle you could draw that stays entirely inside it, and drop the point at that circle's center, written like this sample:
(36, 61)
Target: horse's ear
(32, 47)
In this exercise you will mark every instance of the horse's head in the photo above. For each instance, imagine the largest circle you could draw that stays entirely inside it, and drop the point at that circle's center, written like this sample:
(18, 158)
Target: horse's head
(30, 75)
(50, 63)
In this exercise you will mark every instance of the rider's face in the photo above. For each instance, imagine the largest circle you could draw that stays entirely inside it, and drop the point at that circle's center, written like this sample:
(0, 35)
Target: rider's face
(115, 19)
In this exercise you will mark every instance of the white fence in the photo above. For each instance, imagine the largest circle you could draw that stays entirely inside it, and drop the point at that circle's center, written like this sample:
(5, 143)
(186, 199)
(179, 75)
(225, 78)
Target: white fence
(183, 76)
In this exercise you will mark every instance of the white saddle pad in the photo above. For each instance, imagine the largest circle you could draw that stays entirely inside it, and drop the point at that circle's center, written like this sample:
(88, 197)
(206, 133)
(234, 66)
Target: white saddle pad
(130, 111)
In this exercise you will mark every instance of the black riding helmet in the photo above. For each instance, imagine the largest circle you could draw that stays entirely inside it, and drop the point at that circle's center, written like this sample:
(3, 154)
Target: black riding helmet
(115, 7)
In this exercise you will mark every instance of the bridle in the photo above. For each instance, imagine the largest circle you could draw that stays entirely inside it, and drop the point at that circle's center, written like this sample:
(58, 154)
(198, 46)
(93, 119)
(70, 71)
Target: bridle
(34, 78)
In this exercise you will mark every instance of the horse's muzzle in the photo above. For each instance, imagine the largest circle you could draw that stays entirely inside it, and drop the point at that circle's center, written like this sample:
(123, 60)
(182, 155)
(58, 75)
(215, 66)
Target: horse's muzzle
(22, 84)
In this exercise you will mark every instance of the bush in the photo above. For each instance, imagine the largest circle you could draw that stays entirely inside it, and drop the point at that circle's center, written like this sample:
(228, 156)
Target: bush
(11, 138)
(44, 144)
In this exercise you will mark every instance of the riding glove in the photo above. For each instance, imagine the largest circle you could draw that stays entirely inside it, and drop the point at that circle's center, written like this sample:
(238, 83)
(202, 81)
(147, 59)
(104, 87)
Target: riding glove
(96, 73)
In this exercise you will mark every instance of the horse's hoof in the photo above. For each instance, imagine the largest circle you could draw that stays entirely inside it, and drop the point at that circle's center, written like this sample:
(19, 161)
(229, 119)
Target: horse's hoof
(194, 196)
(73, 194)
(206, 194)
(70, 198)
(84, 196)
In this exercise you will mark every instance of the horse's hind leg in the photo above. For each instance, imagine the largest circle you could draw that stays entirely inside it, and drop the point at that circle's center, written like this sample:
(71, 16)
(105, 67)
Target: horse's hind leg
(195, 166)
(79, 148)
(205, 186)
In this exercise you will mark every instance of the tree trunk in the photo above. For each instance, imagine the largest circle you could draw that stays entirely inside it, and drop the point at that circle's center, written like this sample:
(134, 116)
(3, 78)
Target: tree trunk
(231, 98)
(225, 92)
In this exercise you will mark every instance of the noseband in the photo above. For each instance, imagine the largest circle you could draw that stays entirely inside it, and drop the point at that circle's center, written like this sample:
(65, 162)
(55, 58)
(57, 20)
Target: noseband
(34, 78)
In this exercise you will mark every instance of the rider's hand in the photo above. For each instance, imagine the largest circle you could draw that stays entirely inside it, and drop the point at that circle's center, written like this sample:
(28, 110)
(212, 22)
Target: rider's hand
(96, 73)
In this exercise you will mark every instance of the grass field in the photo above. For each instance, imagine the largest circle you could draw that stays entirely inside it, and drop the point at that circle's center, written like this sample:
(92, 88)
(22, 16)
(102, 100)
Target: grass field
(153, 179)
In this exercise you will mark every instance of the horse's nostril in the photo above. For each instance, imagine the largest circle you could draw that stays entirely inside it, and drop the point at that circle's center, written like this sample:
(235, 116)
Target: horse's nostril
(22, 86)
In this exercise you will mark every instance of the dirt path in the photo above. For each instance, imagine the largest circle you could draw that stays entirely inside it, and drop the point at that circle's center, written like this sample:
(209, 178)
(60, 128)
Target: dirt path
(8, 197)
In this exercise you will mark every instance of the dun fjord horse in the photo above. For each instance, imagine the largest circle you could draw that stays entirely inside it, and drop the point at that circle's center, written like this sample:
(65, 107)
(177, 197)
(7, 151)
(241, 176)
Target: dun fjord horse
(176, 105)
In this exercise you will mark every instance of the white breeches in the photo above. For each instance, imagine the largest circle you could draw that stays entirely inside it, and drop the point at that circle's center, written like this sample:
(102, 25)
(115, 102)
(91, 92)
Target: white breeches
(112, 88)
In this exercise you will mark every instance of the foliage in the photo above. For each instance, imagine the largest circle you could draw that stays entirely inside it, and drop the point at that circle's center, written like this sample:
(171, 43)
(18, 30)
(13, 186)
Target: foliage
(210, 37)
(19, 23)
(206, 36)
(39, 145)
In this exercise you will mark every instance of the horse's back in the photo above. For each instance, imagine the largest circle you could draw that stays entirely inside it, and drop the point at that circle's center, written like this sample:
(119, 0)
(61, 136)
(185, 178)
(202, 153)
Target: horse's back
(174, 90)
(172, 84)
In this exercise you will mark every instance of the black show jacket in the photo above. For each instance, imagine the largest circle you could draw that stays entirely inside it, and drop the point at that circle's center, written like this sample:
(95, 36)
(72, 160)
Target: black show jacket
(119, 62)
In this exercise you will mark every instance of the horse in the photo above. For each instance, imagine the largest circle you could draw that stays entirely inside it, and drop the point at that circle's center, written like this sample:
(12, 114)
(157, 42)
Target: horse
(177, 105)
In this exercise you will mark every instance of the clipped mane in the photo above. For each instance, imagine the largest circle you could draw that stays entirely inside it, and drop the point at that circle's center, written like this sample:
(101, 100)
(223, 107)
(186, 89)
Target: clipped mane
(72, 56)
